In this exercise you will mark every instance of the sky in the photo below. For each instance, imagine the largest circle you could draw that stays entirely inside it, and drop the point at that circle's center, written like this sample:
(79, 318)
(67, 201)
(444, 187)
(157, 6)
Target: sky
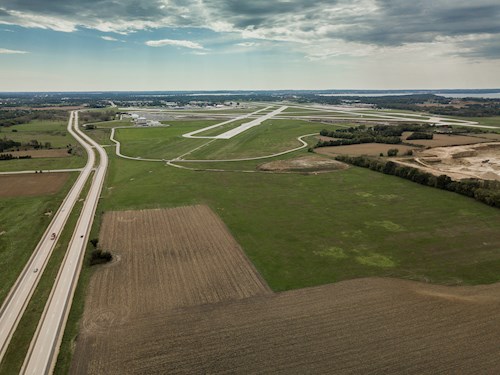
(127, 45)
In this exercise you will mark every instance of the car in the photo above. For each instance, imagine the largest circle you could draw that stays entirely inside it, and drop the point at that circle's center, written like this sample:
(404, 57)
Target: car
(35, 270)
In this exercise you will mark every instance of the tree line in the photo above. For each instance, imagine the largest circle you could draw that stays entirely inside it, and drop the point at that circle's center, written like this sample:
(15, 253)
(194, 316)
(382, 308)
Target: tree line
(387, 134)
(486, 191)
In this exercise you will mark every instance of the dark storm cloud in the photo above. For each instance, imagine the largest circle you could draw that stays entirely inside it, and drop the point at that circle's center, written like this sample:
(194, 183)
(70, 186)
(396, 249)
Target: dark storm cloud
(373, 22)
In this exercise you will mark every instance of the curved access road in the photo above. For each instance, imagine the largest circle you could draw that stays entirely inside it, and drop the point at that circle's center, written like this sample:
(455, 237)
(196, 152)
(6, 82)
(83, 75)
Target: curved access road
(17, 300)
(44, 347)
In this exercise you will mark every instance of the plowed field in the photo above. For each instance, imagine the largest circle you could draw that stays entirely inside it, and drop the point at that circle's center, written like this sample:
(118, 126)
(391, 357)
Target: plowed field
(183, 299)
(23, 185)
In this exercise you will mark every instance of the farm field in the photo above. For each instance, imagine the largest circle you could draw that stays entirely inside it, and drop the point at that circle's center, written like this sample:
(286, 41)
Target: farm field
(44, 131)
(450, 139)
(372, 149)
(300, 231)
(355, 326)
(23, 219)
(25, 185)
(207, 292)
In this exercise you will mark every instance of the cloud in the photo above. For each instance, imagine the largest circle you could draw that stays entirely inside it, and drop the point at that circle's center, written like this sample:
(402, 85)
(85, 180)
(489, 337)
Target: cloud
(174, 42)
(248, 44)
(109, 38)
(4, 51)
(308, 25)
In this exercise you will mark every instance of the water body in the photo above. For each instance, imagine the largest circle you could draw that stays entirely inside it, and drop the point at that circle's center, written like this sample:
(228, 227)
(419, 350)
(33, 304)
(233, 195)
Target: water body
(495, 95)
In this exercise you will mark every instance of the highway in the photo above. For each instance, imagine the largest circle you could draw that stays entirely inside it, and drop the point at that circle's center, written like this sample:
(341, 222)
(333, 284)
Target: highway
(24, 287)
(44, 347)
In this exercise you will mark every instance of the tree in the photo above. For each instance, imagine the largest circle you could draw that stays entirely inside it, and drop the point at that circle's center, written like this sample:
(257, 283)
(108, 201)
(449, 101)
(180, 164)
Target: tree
(392, 152)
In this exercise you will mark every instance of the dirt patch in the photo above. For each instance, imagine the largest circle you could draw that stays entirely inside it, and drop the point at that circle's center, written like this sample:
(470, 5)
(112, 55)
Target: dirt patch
(359, 326)
(445, 140)
(370, 149)
(55, 153)
(305, 164)
(24, 185)
(459, 162)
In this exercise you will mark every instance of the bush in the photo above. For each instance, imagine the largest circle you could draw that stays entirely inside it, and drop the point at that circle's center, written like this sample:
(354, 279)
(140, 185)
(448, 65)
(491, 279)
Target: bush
(392, 152)
(420, 135)
(99, 257)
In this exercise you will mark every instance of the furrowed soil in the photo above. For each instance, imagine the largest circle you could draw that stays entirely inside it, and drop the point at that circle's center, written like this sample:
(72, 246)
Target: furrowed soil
(32, 184)
(183, 299)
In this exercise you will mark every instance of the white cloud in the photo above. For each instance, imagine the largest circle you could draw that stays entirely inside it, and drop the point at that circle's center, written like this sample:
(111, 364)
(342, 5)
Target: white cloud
(4, 51)
(109, 38)
(248, 44)
(174, 42)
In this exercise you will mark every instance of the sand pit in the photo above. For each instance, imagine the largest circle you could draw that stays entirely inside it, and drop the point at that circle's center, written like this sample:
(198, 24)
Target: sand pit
(305, 164)
(470, 161)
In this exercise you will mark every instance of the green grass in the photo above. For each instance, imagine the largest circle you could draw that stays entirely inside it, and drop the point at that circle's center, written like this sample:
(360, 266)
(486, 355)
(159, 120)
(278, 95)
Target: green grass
(44, 131)
(42, 163)
(489, 121)
(270, 137)
(282, 220)
(164, 143)
(18, 347)
(161, 143)
(23, 220)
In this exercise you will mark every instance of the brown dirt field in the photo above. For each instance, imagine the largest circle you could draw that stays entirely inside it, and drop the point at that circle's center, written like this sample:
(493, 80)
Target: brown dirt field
(170, 258)
(34, 184)
(54, 153)
(306, 164)
(445, 140)
(370, 326)
(372, 149)
(164, 314)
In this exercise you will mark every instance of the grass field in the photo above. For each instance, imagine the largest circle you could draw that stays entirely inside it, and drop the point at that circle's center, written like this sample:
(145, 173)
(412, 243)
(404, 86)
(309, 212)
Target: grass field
(163, 143)
(42, 164)
(310, 230)
(490, 121)
(22, 222)
(14, 357)
(44, 131)
(305, 230)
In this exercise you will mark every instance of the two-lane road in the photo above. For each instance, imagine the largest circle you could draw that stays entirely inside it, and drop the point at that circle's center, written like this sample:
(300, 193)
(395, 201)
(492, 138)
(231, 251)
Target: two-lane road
(20, 294)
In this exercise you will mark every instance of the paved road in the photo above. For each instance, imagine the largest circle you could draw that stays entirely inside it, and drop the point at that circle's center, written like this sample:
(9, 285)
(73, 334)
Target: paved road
(20, 294)
(44, 347)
